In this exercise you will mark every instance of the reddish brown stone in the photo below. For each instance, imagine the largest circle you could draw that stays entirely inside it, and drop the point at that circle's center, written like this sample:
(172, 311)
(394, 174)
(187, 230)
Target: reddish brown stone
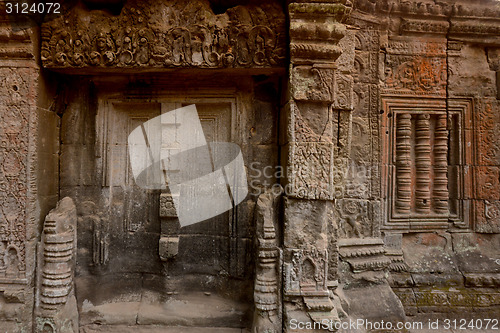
(487, 183)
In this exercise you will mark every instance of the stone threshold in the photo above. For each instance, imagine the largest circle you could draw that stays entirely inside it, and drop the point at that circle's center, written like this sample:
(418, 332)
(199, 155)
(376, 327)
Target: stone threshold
(156, 329)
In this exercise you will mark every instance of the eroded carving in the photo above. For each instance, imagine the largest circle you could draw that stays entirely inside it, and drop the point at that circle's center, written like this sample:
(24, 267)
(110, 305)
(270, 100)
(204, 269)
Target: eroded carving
(91, 218)
(313, 83)
(353, 218)
(168, 245)
(17, 169)
(366, 254)
(267, 317)
(415, 74)
(161, 34)
(306, 273)
(56, 301)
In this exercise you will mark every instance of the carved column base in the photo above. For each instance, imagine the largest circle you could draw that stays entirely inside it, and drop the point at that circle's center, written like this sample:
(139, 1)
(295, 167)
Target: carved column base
(307, 258)
(267, 288)
(56, 309)
(64, 320)
(299, 318)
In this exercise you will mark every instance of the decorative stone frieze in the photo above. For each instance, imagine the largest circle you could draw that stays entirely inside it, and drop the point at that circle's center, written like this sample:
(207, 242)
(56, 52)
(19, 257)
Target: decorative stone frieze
(367, 254)
(166, 35)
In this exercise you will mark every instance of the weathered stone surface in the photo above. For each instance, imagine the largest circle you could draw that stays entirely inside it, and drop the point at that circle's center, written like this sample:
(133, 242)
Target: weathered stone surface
(22, 93)
(164, 35)
(56, 303)
(388, 129)
(267, 290)
(371, 303)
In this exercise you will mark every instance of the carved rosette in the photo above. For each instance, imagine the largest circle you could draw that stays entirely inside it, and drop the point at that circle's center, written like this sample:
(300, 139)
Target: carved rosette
(161, 34)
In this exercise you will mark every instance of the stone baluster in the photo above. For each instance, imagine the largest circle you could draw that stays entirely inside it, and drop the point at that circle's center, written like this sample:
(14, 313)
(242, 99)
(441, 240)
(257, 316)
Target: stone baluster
(440, 191)
(423, 164)
(403, 164)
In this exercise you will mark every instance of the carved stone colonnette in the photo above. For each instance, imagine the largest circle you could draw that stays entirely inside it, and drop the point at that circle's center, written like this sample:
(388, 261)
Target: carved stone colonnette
(56, 303)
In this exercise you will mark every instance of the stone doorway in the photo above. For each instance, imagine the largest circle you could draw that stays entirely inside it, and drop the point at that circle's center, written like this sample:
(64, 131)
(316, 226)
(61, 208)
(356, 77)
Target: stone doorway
(136, 265)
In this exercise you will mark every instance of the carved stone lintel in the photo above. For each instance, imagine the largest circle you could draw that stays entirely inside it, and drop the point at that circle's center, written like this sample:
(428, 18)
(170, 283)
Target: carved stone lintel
(153, 34)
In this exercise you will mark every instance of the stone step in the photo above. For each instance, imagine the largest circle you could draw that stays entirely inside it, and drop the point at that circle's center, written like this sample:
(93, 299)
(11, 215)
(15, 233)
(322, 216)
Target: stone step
(187, 310)
(156, 329)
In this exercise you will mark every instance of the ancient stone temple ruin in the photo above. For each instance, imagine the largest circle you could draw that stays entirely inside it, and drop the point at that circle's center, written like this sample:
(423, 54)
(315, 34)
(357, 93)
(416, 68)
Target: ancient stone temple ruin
(370, 136)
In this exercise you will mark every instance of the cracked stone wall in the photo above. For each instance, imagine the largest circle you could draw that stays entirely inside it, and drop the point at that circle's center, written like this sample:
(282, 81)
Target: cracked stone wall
(426, 110)
(388, 128)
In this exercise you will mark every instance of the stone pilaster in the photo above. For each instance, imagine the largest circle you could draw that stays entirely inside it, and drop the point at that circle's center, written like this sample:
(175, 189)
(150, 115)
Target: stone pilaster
(316, 148)
(28, 183)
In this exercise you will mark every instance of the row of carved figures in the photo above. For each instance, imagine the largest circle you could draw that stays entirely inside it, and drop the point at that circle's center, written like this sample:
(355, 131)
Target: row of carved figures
(426, 8)
(197, 46)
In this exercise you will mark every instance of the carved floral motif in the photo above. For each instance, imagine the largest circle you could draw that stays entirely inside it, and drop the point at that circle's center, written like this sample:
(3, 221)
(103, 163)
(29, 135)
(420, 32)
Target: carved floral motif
(16, 163)
(416, 74)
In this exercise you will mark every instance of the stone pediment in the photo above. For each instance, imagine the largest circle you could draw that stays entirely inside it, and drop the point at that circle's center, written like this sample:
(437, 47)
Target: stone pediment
(166, 34)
